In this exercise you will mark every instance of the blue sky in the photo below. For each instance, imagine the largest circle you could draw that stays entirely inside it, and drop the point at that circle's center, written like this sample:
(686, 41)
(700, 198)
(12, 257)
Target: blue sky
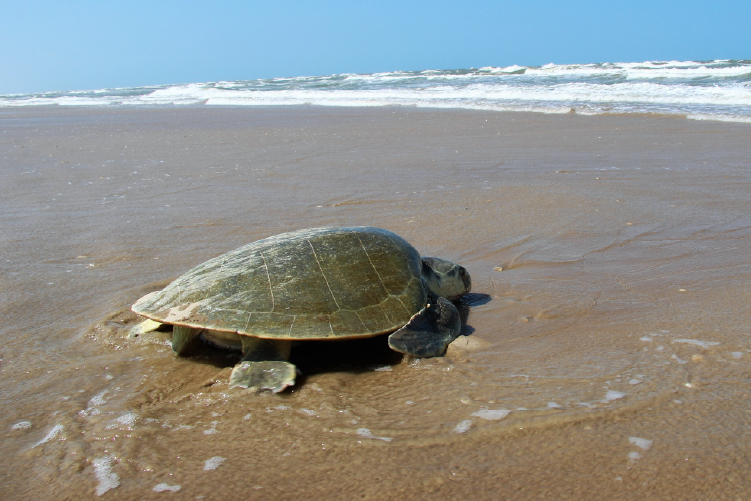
(55, 45)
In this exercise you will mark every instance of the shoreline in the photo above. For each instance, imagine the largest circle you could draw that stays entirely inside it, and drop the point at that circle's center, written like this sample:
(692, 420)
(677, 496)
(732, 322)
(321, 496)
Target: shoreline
(429, 109)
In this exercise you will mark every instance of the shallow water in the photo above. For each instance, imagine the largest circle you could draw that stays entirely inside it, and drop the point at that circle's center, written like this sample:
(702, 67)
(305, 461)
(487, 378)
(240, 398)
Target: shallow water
(606, 349)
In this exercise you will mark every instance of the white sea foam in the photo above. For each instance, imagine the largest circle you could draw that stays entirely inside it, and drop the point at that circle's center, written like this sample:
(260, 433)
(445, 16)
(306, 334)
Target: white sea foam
(212, 430)
(213, 463)
(128, 419)
(165, 487)
(103, 471)
(97, 400)
(54, 432)
(632, 97)
(25, 425)
(613, 395)
(719, 118)
(366, 433)
(491, 415)
(702, 344)
(642, 443)
(463, 426)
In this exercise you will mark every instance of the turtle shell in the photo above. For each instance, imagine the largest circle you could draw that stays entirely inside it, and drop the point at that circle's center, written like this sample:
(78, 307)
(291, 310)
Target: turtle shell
(320, 283)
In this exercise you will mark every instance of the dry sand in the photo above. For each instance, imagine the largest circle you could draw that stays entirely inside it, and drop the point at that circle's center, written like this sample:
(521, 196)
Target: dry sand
(608, 337)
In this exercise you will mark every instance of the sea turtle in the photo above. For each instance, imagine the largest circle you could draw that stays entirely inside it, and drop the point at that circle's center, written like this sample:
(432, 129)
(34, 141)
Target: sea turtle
(312, 284)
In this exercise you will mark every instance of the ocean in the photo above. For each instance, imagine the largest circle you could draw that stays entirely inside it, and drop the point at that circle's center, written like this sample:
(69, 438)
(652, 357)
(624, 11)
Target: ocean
(700, 90)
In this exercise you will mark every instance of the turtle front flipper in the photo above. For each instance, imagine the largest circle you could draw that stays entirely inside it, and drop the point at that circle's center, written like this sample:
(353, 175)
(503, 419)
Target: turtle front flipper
(429, 331)
(264, 365)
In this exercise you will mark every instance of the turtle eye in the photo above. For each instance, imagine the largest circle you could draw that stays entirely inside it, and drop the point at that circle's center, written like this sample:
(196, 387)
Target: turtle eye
(462, 271)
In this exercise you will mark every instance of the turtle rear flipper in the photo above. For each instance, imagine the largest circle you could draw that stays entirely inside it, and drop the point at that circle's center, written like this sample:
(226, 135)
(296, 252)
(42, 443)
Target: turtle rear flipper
(429, 331)
(264, 365)
(270, 375)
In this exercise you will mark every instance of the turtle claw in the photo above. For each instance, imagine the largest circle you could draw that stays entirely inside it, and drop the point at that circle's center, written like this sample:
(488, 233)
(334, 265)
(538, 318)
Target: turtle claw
(258, 376)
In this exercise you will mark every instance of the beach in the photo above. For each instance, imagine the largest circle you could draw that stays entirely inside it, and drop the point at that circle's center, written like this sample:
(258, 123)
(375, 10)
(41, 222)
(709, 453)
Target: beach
(606, 347)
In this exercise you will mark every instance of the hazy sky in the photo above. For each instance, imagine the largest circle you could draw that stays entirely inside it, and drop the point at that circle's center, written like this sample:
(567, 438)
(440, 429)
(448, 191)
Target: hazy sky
(55, 45)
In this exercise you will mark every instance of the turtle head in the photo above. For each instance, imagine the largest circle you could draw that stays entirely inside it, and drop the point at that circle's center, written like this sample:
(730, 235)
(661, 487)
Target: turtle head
(445, 279)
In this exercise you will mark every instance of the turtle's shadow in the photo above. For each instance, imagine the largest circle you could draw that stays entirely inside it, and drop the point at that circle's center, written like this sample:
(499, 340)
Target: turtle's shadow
(363, 355)
(353, 356)
(465, 304)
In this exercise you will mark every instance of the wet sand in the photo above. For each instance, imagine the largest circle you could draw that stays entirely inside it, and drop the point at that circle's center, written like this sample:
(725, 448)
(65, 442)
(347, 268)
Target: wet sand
(607, 340)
